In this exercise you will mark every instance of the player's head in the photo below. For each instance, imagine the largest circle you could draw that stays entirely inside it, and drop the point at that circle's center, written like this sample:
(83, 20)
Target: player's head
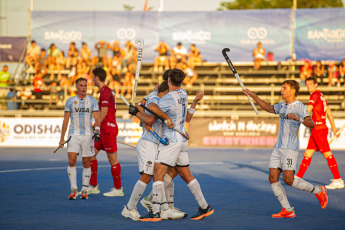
(166, 74)
(311, 84)
(98, 75)
(164, 87)
(289, 88)
(81, 84)
(176, 77)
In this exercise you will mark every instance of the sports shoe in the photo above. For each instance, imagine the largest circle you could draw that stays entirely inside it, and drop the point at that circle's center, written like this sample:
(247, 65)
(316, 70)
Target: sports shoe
(151, 217)
(132, 214)
(73, 195)
(178, 210)
(285, 214)
(336, 184)
(84, 195)
(114, 192)
(203, 213)
(93, 189)
(171, 214)
(146, 204)
(322, 196)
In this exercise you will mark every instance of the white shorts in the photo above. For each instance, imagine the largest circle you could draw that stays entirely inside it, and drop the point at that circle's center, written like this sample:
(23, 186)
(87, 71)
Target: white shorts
(147, 152)
(283, 159)
(173, 154)
(82, 145)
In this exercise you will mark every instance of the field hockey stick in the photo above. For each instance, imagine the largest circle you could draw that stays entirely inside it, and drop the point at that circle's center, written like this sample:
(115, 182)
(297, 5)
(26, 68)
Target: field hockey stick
(165, 121)
(140, 55)
(237, 76)
(124, 143)
(335, 136)
(60, 146)
(164, 142)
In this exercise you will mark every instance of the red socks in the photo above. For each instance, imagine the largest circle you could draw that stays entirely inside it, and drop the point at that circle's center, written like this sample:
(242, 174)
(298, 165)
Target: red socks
(332, 163)
(304, 166)
(116, 173)
(94, 169)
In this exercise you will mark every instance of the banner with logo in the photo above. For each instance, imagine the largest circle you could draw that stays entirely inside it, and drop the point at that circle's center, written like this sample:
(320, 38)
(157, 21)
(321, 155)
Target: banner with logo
(337, 144)
(46, 132)
(245, 132)
(11, 48)
(320, 34)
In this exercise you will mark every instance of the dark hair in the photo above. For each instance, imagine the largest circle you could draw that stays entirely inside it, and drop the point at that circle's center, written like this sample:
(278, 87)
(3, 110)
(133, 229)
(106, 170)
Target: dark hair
(33, 41)
(311, 79)
(166, 74)
(179, 43)
(163, 87)
(100, 73)
(79, 80)
(294, 84)
(43, 49)
(83, 43)
(176, 76)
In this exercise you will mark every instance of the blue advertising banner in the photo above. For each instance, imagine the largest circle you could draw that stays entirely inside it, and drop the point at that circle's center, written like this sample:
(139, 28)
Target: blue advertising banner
(11, 48)
(320, 34)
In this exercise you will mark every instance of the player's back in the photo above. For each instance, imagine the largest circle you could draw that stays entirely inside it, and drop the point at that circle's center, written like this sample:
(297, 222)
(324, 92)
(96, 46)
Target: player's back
(319, 103)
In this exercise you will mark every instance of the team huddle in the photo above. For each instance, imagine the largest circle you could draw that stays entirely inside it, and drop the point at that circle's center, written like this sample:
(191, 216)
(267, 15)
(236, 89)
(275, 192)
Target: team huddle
(167, 157)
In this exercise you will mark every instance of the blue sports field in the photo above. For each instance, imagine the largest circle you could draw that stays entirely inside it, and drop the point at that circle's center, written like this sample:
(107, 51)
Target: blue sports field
(35, 187)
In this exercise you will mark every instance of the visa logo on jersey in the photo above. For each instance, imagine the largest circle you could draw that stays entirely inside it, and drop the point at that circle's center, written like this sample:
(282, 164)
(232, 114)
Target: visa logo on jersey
(82, 110)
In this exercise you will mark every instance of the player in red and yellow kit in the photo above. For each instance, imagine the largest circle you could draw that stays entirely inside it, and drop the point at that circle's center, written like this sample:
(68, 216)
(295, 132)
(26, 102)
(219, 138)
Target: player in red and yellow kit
(318, 138)
(109, 131)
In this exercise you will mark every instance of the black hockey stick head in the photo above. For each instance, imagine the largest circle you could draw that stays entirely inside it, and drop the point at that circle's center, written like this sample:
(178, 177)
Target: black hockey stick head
(224, 51)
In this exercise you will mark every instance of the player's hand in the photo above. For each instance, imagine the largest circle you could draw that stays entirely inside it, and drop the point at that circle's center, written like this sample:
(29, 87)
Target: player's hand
(62, 140)
(156, 87)
(247, 92)
(96, 136)
(293, 116)
(133, 110)
(170, 123)
(199, 96)
(147, 127)
(335, 133)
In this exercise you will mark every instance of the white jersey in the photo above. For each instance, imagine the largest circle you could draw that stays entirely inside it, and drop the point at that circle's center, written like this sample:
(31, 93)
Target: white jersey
(174, 104)
(156, 126)
(153, 93)
(288, 129)
(81, 114)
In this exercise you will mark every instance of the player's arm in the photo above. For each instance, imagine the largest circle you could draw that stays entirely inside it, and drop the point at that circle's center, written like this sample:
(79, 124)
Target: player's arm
(307, 121)
(147, 119)
(96, 117)
(310, 108)
(160, 113)
(64, 126)
(263, 104)
(331, 120)
(190, 113)
(104, 112)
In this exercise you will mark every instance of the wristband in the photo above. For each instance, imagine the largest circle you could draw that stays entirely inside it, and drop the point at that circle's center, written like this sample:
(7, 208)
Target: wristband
(97, 128)
(301, 120)
(191, 111)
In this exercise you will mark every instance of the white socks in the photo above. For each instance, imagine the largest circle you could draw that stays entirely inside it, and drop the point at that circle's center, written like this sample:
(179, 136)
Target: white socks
(86, 178)
(138, 190)
(72, 175)
(169, 190)
(158, 194)
(303, 185)
(194, 187)
(279, 192)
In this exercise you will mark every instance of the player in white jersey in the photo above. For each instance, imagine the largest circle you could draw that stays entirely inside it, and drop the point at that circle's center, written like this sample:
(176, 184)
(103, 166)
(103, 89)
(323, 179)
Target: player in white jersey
(79, 109)
(292, 113)
(173, 108)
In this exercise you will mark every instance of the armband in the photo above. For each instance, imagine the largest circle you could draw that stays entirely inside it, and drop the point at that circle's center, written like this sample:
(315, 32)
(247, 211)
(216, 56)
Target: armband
(191, 111)
(301, 120)
(97, 128)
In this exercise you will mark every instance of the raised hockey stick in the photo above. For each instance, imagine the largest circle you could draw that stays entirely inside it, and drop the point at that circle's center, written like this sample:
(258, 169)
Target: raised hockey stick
(185, 135)
(237, 76)
(60, 146)
(124, 143)
(338, 133)
(164, 142)
(140, 54)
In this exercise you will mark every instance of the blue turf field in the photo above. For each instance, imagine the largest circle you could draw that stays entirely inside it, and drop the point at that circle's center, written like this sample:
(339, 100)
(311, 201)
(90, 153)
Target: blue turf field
(234, 181)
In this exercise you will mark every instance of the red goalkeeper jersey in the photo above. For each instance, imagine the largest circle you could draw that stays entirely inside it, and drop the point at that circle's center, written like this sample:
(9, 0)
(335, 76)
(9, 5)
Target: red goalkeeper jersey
(319, 103)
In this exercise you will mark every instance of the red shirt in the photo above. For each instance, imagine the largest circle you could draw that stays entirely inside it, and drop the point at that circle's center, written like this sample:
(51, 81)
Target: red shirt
(107, 99)
(37, 83)
(319, 110)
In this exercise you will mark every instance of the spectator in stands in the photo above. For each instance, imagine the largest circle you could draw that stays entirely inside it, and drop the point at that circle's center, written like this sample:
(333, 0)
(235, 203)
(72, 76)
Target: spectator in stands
(32, 55)
(178, 54)
(72, 54)
(332, 72)
(191, 75)
(162, 59)
(306, 70)
(53, 53)
(116, 60)
(53, 92)
(64, 89)
(128, 50)
(10, 104)
(194, 56)
(38, 84)
(5, 80)
(102, 53)
(60, 63)
(341, 74)
(42, 63)
(83, 70)
(114, 79)
(130, 73)
(117, 51)
(319, 71)
(72, 66)
(85, 53)
(259, 55)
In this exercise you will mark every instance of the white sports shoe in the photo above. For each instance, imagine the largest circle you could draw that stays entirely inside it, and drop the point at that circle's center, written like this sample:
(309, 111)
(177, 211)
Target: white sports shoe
(132, 214)
(147, 204)
(179, 211)
(171, 214)
(114, 192)
(336, 184)
(93, 189)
